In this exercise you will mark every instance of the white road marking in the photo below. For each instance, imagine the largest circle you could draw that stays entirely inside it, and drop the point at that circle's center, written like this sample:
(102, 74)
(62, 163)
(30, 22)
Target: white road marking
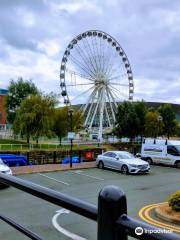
(63, 230)
(79, 172)
(43, 175)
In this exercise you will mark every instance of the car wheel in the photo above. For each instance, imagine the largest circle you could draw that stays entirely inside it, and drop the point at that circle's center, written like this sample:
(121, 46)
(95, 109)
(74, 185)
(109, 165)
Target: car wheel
(149, 160)
(101, 165)
(124, 169)
(178, 164)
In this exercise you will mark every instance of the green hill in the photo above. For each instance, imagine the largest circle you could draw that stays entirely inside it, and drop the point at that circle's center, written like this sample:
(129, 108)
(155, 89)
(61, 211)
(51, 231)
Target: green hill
(176, 107)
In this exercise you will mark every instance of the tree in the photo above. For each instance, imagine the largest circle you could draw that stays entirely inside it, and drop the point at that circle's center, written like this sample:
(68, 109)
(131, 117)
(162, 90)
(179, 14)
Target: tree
(127, 121)
(61, 124)
(17, 91)
(34, 117)
(141, 111)
(153, 126)
(177, 129)
(169, 119)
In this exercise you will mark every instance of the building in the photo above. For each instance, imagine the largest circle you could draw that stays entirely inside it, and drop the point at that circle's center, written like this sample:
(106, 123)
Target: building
(3, 94)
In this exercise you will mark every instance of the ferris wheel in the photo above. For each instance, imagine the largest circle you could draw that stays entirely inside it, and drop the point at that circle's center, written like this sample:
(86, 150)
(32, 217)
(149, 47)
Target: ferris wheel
(95, 74)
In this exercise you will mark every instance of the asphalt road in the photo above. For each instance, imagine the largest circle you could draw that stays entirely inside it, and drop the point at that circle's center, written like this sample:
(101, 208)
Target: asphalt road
(42, 218)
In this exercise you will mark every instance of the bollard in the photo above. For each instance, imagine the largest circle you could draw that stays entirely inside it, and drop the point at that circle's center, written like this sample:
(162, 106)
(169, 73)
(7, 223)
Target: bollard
(111, 205)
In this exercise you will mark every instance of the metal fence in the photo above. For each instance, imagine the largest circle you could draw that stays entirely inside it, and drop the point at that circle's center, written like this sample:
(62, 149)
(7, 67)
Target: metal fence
(111, 214)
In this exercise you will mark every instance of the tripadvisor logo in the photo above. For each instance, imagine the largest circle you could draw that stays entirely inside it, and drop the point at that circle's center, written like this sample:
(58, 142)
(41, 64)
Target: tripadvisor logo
(139, 231)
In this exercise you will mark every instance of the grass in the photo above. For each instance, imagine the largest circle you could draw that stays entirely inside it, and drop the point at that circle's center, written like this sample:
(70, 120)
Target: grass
(10, 141)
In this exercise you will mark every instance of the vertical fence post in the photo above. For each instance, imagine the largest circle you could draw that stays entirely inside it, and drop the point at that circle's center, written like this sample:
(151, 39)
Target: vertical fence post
(111, 205)
(79, 153)
(54, 156)
(27, 155)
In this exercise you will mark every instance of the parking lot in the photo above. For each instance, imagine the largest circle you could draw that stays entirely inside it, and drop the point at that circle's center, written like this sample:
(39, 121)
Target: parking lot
(43, 218)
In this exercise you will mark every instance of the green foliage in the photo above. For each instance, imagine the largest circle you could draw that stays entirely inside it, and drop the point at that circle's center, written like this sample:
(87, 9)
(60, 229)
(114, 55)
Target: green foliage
(177, 130)
(17, 91)
(169, 119)
(127, 121)
(34, 117)
(174, 201)
(134, 119)
(141, 111)
(10, 141)
(153, 126)
(61, 124)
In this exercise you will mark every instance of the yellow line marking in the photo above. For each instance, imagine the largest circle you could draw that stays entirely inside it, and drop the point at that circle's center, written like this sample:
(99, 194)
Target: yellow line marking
(144, 214)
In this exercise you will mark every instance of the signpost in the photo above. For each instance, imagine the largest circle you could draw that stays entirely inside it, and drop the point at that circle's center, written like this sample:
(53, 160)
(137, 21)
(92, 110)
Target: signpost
(71, 135)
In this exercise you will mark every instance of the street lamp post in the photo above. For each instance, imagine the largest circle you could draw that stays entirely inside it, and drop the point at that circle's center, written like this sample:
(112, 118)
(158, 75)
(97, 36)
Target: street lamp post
(70, 113)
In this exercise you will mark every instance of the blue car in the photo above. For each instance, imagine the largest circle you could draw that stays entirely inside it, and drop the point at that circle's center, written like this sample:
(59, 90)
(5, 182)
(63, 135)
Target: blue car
(12, 160)
(66, 160)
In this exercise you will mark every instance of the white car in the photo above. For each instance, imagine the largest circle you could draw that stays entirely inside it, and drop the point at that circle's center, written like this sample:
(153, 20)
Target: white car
(123, 161)
(4, 169)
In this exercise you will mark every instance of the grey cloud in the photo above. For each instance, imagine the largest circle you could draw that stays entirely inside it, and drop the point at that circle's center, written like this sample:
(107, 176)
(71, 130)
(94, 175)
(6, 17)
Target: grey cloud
(151, 44)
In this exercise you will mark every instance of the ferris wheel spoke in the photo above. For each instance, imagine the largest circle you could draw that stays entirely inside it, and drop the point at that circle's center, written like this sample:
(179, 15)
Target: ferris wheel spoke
(119, 84)
(92, 95)
(79, 75)
(95, 55)
(88, 53)
(79, 84)
(89, 50)
(90, 102)
(102, 102)
(110, 103)
(96, 109)
(113, 69)
(81, 66)
(116, 92)
(85, 60)
(113, 98)
(109, 58)
(111, 66)
(92, 54)
(108, 118)
(98, 54)
(101, 54)
(103, 50)
(81, 94)
(117, 77)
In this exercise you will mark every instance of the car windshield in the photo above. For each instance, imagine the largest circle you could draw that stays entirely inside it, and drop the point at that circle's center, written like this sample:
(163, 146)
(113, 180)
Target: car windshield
(178, 148)
(126, 155)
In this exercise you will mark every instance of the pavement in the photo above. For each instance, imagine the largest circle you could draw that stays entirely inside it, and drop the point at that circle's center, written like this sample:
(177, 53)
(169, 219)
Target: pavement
(148, 214)
(50, 167)
(54, 223)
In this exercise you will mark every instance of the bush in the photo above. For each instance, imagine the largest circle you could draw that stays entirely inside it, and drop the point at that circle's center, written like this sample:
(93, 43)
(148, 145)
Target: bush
(174, 201)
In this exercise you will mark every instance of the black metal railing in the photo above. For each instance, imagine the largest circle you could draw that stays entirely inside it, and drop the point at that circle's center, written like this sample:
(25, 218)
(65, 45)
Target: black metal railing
(111, 213)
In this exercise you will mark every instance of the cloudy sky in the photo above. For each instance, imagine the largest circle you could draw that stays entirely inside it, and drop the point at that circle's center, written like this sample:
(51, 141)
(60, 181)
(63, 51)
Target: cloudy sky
(35, 33)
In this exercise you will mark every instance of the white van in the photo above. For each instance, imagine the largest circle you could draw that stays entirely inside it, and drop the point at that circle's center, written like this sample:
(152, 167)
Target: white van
(161, 151)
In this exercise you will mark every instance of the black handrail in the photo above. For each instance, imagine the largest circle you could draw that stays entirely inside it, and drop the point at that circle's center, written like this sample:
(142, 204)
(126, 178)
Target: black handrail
(130, 224)
(111, 214)
(63, 200)
(20, 228)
